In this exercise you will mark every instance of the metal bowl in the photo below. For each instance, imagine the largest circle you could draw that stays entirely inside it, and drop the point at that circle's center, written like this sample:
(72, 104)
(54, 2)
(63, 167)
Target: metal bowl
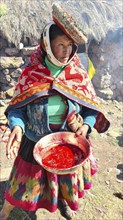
(49, 141)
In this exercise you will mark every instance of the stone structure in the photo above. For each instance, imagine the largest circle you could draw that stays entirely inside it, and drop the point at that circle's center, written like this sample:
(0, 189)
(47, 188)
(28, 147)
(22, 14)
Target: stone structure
(106, 56)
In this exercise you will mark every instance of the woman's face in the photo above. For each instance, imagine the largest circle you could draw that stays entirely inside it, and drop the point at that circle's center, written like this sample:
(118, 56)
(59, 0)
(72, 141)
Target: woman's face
(61, 48)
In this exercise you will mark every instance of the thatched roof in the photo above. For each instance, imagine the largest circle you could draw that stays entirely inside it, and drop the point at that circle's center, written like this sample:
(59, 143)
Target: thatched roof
(26, 19)
(96, 17)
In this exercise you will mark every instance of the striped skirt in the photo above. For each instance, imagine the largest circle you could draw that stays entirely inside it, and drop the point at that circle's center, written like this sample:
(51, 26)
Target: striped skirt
(31, 187)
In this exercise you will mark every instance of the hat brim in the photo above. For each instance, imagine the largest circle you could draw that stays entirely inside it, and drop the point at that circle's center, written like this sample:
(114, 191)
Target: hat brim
(68, 25)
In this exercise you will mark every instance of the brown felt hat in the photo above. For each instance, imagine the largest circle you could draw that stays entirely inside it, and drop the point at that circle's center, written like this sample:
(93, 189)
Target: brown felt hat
(68, 25)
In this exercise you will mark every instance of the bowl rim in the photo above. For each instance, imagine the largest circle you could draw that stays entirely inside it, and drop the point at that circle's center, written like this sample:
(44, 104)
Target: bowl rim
(59, 170)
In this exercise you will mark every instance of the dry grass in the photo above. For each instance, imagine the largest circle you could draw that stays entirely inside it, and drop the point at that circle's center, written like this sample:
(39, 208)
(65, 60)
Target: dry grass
(25, 19)
(97, 17)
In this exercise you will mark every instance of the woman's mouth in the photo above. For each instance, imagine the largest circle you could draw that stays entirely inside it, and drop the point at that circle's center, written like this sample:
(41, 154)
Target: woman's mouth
(64, 59)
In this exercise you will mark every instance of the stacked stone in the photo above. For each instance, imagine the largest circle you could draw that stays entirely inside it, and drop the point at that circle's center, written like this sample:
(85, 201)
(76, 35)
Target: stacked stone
(12, 62)
(108, 59)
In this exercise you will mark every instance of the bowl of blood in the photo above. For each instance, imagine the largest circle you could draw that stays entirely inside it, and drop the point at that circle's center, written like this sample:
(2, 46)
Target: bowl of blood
(61, 152)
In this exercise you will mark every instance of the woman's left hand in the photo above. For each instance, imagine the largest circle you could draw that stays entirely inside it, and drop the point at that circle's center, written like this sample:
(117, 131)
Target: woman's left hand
(83, 130)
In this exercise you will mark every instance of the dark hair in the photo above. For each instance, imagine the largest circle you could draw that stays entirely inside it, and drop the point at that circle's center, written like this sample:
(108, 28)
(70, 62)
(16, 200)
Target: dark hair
(55, 31)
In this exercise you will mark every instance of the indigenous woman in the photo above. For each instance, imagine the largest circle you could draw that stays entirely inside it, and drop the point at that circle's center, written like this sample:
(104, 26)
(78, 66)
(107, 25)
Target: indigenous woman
(54, 93)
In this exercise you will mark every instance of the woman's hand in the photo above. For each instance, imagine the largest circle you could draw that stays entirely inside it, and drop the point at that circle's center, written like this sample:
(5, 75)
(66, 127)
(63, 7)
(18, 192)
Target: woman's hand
(83, 130)
(14, 141)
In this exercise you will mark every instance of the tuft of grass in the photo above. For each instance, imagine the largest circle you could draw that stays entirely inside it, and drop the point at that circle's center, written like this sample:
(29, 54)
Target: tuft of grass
(3, 9)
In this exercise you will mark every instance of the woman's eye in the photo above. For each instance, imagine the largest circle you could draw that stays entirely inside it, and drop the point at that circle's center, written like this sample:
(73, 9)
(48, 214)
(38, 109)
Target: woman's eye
(61, 46)
(71, 46)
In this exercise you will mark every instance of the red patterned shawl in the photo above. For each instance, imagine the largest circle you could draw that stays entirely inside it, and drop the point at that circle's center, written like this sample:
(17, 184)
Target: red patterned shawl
(73, 82)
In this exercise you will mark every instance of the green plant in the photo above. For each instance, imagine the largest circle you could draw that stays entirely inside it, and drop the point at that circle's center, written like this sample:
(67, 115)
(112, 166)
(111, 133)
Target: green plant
(3, 9)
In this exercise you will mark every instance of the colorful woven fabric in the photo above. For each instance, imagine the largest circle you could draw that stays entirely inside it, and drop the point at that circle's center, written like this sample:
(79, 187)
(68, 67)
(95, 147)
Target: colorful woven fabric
(73, 82)
(31, 187)
(66, 22)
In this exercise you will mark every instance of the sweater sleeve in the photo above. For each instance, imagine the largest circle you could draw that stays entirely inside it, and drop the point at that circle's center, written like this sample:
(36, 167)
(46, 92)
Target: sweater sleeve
(89, 117)
(17, 117)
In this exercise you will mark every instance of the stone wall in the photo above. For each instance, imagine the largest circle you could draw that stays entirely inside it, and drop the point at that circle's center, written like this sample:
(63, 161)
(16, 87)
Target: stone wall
(12, 62)
(107, 57)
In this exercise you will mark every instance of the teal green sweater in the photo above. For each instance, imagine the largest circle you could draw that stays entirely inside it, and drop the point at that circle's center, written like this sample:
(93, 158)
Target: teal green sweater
(56, 106)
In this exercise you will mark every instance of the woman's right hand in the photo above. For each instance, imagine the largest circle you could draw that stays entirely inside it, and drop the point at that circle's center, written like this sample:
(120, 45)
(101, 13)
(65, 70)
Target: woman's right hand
(13, 143)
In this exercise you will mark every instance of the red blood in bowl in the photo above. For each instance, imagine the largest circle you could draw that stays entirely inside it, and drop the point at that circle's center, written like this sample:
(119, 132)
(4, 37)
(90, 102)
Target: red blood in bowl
(62, 156)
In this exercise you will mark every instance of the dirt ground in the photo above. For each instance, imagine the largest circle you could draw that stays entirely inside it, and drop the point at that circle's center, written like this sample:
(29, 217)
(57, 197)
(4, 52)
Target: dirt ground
(104, 200)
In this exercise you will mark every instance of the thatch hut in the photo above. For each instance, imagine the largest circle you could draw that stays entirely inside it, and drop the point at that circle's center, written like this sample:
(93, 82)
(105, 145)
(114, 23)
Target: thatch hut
(22, 21)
